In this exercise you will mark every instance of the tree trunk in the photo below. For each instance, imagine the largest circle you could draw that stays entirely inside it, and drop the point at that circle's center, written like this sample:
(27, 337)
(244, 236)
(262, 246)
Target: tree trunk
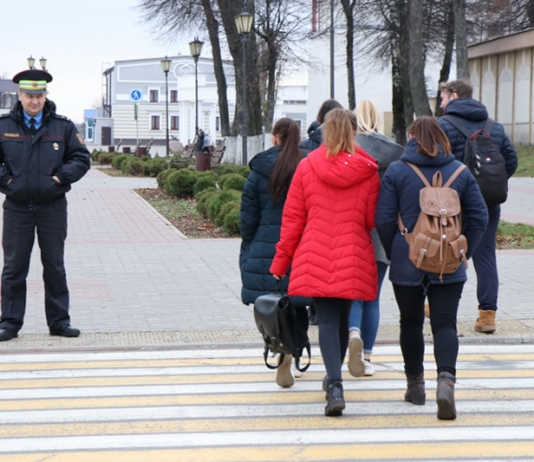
(229, 10)
(348, 9)
(416, 65)
(398, 96)
(220, 77)
(447, 58)
(462, 68)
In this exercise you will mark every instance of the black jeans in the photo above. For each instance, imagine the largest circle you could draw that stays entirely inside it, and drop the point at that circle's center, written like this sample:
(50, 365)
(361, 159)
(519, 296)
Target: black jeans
(333, 321)
(444, 300)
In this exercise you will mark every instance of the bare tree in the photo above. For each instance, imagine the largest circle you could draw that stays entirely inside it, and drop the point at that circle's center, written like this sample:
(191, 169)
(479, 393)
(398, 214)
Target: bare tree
(447, 56)
(348, 10)
(460, 29)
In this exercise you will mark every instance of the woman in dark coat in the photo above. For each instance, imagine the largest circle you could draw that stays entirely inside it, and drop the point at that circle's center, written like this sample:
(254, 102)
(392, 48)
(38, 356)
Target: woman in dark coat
(429, 149)
(262, 203)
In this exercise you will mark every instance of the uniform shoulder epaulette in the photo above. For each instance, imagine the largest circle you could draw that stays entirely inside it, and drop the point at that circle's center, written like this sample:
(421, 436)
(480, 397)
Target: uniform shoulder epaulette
(59, 116)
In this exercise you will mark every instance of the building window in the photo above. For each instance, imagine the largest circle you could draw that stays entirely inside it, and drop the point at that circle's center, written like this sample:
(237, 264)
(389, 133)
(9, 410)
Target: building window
(154, 96)
(175, 122)
(174, 96)
(154, 122)
(217, 124)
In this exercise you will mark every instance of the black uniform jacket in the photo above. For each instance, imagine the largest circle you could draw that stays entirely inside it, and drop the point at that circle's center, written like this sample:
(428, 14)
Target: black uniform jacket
(57, 149)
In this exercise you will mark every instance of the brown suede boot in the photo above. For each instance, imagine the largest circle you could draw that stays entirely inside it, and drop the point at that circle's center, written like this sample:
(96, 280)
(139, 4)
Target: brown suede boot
(415, 393)
(445, 396)
(485, 322)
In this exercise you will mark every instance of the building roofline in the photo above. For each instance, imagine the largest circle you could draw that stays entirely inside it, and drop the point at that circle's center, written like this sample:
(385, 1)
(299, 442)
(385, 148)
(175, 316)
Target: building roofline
(503, 44)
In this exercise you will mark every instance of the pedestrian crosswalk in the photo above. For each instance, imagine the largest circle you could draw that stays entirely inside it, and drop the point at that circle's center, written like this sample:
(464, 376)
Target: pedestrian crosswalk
(224, 405)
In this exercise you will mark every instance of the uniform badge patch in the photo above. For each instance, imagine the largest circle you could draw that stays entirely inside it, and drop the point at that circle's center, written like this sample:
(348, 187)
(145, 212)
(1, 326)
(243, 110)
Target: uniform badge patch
(55, 146)
(12, 135)
(80, 139)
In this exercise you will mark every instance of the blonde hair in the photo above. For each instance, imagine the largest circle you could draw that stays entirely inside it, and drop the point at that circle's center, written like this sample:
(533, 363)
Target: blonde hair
(339, 129)
(367, 116)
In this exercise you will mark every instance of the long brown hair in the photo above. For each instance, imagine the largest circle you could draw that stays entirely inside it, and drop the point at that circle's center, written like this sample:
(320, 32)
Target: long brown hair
(287, 131)
(338, 132)
(429, 136)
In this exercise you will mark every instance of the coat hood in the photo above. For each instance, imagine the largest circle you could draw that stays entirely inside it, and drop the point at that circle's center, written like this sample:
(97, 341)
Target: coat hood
(16, 112)
(411, 154)
(343, 170)
(263, 163)
(467, 108)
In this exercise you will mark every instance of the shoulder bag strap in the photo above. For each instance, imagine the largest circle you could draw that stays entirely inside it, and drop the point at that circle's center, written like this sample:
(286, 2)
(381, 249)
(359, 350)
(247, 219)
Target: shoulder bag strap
(403, 228)
(488, 126)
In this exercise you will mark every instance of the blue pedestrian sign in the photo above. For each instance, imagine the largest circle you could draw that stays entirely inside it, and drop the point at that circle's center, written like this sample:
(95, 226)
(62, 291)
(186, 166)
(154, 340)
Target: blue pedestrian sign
(136, 95)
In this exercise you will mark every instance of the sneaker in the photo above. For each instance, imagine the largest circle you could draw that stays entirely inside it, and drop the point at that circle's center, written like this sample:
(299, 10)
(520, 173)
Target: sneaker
(369, 369)
(356, 366)
(335, 401)
(284, 377)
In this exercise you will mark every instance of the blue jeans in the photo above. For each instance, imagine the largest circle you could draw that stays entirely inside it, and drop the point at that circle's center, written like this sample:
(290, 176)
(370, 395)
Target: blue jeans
(365, 316)
(485, 263)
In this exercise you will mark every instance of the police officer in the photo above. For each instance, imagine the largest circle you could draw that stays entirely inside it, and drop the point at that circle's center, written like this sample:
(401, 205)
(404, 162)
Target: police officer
(41, 155)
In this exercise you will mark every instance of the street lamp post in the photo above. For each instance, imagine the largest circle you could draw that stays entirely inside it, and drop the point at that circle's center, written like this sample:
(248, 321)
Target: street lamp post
(195, 48)
(166, 65)
(243, 23)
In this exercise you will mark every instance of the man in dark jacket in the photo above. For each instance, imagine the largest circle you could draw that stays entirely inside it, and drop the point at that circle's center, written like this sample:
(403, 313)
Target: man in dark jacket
(457, 101)
(315, 130)
(41, 155)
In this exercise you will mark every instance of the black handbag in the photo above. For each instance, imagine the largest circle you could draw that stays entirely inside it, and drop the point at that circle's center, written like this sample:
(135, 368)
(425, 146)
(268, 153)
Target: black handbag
(284, 329)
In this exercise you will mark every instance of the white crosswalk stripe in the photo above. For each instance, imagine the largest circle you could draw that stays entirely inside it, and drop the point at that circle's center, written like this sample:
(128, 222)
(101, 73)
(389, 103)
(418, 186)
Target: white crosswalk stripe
(224, 405)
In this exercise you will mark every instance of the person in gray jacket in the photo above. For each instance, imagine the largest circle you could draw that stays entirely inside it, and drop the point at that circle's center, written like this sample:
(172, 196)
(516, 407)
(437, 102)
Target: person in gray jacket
(364, 316)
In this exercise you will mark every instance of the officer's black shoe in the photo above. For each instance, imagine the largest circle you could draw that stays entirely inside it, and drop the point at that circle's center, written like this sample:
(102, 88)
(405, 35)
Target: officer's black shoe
(66, 331)
(7, 334)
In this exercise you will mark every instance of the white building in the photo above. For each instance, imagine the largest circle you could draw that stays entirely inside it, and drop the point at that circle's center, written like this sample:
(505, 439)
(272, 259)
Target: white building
(134, 109)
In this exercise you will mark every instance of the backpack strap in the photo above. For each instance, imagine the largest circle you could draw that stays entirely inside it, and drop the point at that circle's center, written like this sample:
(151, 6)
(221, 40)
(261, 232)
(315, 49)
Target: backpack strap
(458, 124)
(488, 126)
(419, 174)
(454, 175)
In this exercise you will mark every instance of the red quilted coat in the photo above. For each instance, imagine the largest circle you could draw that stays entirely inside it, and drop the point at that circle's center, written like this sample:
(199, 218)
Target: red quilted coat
(326, 227)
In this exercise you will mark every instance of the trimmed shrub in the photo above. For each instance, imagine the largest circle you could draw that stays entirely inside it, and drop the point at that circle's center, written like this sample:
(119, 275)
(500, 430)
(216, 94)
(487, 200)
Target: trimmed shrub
(243, 171)
(202, 199)
(119, 160)
(232, 222)
(163, 176)
(218, 200)
(232, 181)
(204, 182)
(105, 158)
(133, 167)
(226, 169)
(94, 155)
(181, 183)
(156, 166)
(225, 210)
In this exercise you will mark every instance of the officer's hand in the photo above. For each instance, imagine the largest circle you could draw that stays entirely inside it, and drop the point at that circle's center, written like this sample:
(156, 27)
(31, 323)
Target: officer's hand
(56, 179)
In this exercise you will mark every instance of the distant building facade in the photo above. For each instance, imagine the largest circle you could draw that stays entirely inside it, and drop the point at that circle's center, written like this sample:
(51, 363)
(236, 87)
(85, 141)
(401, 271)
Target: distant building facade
(134, 103)
(8, 95)
(501, 71)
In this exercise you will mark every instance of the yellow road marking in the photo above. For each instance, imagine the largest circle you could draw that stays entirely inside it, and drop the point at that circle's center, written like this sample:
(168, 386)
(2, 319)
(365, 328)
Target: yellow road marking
(274, 397)
(394, 451)
(192, 362)
(141, 427)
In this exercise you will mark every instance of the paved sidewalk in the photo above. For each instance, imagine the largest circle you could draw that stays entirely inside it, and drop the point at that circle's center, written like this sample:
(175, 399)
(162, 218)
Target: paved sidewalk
(135, 280)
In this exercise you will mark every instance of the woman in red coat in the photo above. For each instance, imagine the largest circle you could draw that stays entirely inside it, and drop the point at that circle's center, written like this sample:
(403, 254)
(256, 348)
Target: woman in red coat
(326, 238)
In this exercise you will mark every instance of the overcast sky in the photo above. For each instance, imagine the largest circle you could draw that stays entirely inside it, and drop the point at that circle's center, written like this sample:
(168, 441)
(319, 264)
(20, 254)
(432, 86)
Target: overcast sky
(79, 38)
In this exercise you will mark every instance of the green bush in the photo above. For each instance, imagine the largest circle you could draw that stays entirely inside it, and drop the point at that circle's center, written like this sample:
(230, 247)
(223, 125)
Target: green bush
(218, 200)
(156, 166)
(119, 160)
(163, 177)
(202, 199)
(94, 155)
(181, 183)
(243, 171)
(226, 169)
(232, 222)
(105, 158)
(232, 181)
(133, 167)
(225, 210)
(203, 182)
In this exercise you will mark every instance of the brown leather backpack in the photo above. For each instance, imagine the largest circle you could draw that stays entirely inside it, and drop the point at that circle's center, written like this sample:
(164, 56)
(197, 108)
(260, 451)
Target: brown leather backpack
(437, 244)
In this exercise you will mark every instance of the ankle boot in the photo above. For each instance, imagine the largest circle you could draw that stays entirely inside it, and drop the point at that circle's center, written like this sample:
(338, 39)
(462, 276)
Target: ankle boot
(335, 401)
(415, 393)
(445, 396)
(485, 322)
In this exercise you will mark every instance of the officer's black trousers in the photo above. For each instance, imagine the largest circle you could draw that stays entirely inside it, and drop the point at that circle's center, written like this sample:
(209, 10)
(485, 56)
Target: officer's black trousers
(21, 224)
